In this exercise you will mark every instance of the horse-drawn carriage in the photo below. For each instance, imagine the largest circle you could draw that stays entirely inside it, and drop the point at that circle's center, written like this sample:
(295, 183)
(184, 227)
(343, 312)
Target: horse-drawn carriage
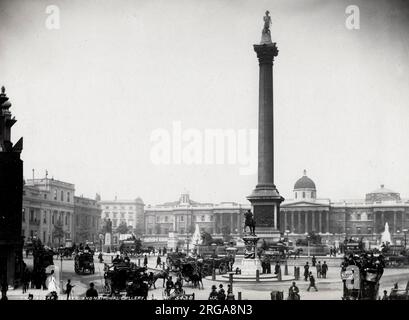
(125, 276)
(192, 272)
(395, 256)
(66, 252)
(42, 259)
(84, 262)
(399, 294)
(361, 275)
(221, 264)
(175, 259)
(130, 247)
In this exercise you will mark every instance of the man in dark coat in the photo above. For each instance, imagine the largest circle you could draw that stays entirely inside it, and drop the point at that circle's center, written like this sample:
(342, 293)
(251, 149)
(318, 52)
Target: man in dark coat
(91, 293)
(145, 261)
(324, 269)
(221, 295)
(293, 292)
(158, 262)
(213, 294)
(312, 283)
(169, 285)
(306, 271)
(277, 268)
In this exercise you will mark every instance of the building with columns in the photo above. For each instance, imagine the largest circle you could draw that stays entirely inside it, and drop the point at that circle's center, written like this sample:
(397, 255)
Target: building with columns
(181, 217)
(45, 203)
(48, 202)
(346, 218)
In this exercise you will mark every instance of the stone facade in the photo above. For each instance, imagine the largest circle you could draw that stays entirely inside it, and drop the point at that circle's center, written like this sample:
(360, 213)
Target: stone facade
(129, 211)
(47, 202)
(182, 216)
(347, 218)
(87, 219)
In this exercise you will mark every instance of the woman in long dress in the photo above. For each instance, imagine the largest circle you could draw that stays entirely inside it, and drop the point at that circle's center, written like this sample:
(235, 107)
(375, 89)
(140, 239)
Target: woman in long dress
(52, 283)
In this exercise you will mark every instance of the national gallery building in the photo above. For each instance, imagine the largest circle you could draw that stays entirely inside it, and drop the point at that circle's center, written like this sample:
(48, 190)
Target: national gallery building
(350, 218)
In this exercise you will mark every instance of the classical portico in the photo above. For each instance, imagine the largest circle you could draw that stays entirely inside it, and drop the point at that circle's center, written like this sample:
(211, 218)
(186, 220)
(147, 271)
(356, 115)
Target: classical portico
(305, 213)
(305, 219)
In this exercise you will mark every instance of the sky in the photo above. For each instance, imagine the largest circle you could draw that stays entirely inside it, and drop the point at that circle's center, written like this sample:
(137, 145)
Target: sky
(89, 95)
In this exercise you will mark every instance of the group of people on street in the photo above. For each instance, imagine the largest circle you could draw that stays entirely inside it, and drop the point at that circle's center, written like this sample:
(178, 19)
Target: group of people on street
(221, 294)
(177, 286)
(322, 269)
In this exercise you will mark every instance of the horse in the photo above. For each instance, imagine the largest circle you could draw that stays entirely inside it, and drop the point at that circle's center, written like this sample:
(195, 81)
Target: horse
(164, 274)
(295, 253)
(250, 222)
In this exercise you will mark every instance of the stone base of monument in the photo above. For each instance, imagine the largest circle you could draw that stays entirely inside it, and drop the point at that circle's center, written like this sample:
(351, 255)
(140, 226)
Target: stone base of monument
(249, 267)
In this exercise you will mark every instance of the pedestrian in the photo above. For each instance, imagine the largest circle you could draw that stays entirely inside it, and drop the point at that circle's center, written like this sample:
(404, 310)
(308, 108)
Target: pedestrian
(145, 261)
(385, 295)
(158, 262)
(306, 271)
(52, 283)
(91, 293)
(277, 268)
(221, 295)
(230, 295)
(100, 257)
(293, 292)
(312, 283)
(160, 251)
(179, 285)
(26, 279)
(319, 269)
(169, 285)
(68, 288)
(324, 270)
(213, 294)
(314, 260)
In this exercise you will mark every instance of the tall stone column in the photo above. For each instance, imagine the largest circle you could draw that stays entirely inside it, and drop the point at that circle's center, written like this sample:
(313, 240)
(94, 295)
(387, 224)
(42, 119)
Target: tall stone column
(306, 221)
(299, 222)
(394, 221)
(265, 198)
(312, 220)
(320, 222)
(328, 221)
(292, 222)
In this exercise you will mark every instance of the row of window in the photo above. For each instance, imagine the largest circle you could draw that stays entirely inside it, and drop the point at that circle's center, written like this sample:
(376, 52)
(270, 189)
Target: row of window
(67, 196)
(122, 214)
(121, 208)
(304, 194)
(34, 217)
(181, 218)
(87, 221)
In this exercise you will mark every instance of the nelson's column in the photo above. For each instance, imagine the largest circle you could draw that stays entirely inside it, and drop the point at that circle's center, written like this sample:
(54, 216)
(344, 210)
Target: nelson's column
(265, 199)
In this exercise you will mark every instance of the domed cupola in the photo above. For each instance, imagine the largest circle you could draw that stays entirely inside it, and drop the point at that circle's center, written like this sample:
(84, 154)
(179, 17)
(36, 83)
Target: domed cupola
(304, 189)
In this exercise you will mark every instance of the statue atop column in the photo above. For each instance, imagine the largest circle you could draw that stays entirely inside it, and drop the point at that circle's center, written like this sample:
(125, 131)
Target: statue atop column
(265, 33)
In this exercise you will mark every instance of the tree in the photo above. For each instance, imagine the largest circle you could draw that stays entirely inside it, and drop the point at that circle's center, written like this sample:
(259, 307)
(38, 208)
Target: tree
(58, 231)
(122, 228)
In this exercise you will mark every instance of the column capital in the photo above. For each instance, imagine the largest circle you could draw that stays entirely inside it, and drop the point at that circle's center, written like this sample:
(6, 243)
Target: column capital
(266, 52)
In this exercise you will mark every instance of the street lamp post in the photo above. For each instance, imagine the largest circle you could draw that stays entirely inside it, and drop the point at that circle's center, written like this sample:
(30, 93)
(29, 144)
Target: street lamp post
(61, 281)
